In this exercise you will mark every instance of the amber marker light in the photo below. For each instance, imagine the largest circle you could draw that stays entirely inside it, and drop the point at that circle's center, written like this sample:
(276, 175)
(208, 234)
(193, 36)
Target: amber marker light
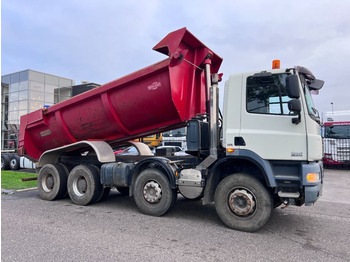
(230, 150)
(276, 64)
(312, 177)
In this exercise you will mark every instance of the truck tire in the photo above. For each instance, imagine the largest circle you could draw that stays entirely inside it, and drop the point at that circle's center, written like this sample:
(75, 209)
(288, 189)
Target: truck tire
(152, 192)
(84, 185)
(67, 168)
(15, 162)
(105, 190)
(243, 203)
(104, 194)
(52, 182)
(5, 162)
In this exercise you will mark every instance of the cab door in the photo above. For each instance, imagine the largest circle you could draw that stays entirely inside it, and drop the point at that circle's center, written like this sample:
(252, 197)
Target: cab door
(266, 122)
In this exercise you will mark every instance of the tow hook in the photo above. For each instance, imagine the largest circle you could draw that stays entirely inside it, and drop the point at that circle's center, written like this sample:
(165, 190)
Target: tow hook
(286, 204)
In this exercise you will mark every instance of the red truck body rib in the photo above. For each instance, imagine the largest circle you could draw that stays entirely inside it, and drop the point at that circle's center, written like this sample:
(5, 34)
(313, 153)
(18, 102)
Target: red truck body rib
(154, 99)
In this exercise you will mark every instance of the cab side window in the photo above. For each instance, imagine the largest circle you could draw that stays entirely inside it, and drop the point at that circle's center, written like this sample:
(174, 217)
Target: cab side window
(267, 95)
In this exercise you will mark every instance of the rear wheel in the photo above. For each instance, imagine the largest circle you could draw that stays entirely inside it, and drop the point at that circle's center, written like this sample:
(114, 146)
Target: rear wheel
(105, 190)
(5, 162)
(52, 182)
(153, 193)
(15, 162)
(67, 168)
(243, 203)
(104, 194)
(84, 185)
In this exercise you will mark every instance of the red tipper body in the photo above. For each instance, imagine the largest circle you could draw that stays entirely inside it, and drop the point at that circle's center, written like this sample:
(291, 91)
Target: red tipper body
(157, 98)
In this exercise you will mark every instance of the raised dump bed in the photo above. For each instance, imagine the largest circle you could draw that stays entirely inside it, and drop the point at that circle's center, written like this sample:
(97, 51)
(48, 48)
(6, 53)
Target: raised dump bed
(154, 99)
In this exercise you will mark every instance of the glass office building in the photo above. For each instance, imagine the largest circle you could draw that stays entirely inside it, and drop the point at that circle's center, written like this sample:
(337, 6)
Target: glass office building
(24, 92)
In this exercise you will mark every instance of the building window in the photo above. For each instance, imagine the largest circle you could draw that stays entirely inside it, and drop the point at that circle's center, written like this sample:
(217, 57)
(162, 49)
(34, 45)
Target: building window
(24, 92)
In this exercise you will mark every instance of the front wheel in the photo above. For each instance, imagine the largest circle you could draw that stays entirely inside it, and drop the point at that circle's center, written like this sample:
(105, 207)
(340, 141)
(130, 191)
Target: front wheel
(243, 203)
(153, 193)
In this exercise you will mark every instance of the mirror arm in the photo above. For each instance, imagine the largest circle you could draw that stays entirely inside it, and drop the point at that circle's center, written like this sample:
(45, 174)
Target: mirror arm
(297, 120)
(295, 106)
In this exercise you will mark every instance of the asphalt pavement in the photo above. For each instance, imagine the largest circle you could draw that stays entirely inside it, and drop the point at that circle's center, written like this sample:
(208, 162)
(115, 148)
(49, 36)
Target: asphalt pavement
(114, 230)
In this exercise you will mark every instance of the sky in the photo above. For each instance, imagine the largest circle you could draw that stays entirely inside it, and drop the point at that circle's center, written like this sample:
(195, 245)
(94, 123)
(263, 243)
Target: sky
(102, 40)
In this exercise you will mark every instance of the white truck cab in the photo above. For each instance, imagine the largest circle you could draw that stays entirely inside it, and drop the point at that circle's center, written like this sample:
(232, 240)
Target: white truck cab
(270, 118)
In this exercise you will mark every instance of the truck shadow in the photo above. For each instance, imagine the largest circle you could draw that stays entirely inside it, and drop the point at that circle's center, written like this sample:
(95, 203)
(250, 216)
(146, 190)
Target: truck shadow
(194, 210)
(183, 208)
(281, 221)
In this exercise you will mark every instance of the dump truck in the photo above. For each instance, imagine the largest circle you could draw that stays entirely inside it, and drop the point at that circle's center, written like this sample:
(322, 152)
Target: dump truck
(269, 152)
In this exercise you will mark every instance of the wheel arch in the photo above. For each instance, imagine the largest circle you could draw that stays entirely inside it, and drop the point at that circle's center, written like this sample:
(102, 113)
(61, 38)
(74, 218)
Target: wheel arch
(103, 151)
(234, 164)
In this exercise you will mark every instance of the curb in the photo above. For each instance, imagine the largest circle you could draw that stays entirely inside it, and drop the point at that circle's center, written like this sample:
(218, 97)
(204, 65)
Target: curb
(12, 191)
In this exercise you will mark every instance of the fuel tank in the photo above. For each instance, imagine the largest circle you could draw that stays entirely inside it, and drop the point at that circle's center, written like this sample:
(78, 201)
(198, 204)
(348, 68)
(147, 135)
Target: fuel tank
(160, 97)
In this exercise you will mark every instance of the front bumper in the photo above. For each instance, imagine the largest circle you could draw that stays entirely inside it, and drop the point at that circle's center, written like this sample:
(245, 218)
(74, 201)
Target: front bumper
(312, 190)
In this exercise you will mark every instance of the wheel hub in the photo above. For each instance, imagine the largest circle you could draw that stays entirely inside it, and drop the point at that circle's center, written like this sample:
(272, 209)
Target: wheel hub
(13, 163)
(152, 192)
(82, 185)
(48, 183)
(241, 202)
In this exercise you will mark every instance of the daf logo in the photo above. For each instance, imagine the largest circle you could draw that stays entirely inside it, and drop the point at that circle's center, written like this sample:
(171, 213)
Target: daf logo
(297, 154)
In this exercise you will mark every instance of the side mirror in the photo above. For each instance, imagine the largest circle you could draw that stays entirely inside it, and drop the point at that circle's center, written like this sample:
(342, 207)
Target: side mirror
(292, 84)
(295, 106)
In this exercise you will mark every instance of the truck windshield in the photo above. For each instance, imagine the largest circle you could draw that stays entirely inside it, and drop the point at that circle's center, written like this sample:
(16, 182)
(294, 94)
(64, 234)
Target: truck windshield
(337, 131)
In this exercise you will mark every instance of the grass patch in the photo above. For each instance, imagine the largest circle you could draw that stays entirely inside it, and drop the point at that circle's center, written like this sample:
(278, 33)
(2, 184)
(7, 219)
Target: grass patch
(13, 180)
